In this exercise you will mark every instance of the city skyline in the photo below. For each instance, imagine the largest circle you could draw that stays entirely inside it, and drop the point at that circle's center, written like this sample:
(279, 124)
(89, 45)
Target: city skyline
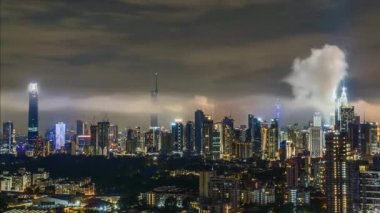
(199, 106)
(227, 58)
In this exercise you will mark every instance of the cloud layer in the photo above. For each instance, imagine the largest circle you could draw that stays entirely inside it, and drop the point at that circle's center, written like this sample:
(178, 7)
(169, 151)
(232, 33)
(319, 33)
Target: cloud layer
(235, 53)
(315, 79)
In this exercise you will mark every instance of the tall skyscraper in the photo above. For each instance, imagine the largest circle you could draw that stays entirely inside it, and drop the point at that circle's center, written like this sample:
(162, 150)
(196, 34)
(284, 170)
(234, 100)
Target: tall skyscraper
(199, 119)
(317, 119)
(189, 136)
(94, 140)
(344, 113)
(347, 116)
(33, 112)
(226, 138)
(254, 126)
(273, 139)
(80, 127)
(208, 132)
(315, 142)
(166, 143)
(103, 137)
(8, 135)
(154, 95)
(178, 135)
(60, 132)
(369, 191)
(337, 172)
(373, 145)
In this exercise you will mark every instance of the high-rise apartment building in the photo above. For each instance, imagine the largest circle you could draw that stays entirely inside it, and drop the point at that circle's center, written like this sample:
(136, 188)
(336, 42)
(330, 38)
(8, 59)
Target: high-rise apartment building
(337, 172)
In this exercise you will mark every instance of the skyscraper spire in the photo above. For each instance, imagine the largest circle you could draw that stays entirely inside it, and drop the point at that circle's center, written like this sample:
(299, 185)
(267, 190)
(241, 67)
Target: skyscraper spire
(154, 96)
(343, 97)
(277, 108)
(156, 88)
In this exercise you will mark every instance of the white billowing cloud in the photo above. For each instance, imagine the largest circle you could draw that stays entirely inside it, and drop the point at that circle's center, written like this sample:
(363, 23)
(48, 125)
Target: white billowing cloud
(315, 79)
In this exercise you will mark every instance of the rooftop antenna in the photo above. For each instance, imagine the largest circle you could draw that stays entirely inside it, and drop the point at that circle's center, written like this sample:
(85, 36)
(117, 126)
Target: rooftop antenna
(364, 118)
(278, 107)
(156, 85)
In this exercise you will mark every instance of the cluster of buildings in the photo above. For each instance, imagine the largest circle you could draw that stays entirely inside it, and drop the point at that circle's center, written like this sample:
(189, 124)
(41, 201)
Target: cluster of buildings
(24, 181)
(220, 193)
(36, 191)
(338, 157)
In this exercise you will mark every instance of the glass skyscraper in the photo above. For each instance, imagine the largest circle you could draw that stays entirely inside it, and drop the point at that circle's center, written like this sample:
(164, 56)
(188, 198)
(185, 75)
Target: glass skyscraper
(60, 131)
(199, 119)
(33, 112)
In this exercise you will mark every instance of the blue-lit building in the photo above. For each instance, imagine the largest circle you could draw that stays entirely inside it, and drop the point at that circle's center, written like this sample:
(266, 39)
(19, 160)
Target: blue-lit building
(33, 112)
(199, 120)
(254, 126)
(8, 136)
(60, 132)
(178, 136)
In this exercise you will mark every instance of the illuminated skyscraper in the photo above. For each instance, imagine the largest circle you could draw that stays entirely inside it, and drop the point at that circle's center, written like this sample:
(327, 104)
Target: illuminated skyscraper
(317, 119)
(226, 137)
(33, 112)
(154, 95)
(8, 135)
(347, 116)
(178, 135)
(254, 126)
(273, 139)
(208, 132)
(344, 113)
(199, 119)
(189, 136)
(337, 172)
(315, 142)
(315, 145)
(60, 131)
(103, 137)
(369, 191)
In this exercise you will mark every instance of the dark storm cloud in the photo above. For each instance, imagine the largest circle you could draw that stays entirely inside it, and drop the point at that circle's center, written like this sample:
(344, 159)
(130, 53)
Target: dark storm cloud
(216, 48)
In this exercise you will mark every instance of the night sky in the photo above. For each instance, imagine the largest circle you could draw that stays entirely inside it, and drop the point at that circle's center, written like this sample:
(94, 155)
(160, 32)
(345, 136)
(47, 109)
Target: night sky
(96, 59)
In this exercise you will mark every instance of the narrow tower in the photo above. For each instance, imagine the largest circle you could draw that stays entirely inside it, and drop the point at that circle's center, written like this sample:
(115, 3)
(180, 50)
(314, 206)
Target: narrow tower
(33, 112)
(154, 96)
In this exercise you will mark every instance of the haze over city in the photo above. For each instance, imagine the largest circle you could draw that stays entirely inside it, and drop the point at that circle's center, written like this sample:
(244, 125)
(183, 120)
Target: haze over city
(196, 106)
(227, 58)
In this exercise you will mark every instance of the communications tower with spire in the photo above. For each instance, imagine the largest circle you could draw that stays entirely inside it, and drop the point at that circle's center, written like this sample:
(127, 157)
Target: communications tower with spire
(154, 96)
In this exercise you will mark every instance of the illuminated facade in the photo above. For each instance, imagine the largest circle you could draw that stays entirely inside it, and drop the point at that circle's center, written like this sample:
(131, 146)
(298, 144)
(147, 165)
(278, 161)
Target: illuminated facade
(273, 140)
(8, 135)
(208, 130)
(60, 131)
(316, 142)
(198, 133)
(254, 125)
(178, 135)
(369, 191)
(337, 172)
(33, 112)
